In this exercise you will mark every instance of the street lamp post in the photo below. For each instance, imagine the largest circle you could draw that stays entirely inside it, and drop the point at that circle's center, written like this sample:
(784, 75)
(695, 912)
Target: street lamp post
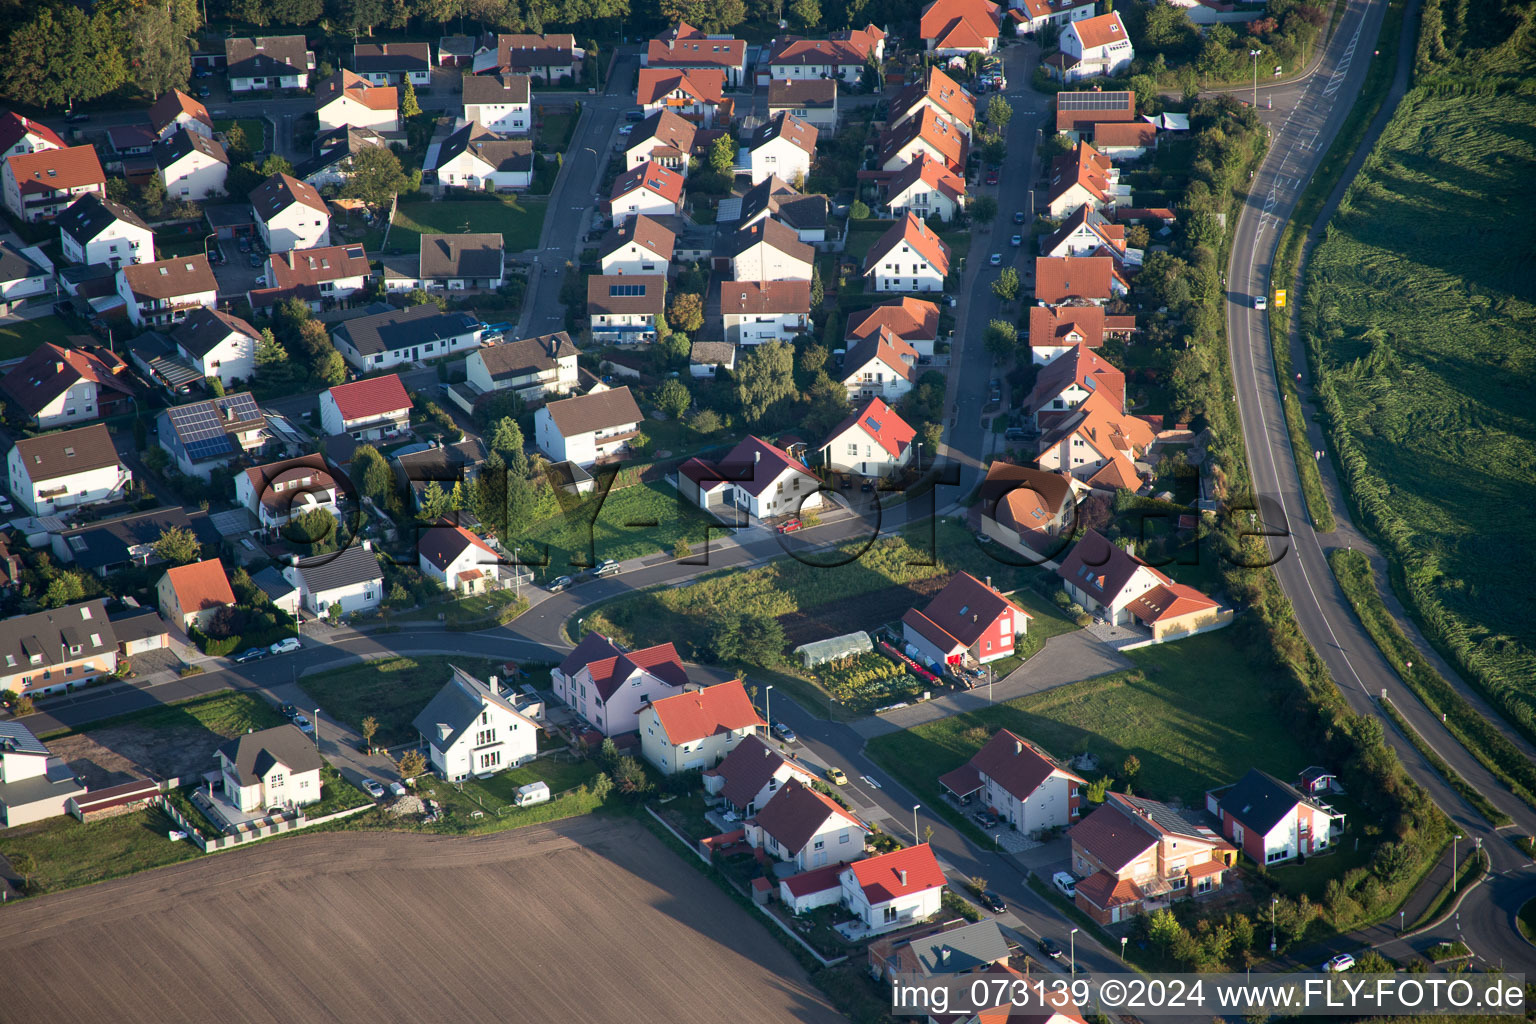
(1123, 940)
(768, 707)
(919, 456)
(914, 823)
(1454, 840)
(317, 730)
(1072, 957)
(1255, 55)
(1274, 901)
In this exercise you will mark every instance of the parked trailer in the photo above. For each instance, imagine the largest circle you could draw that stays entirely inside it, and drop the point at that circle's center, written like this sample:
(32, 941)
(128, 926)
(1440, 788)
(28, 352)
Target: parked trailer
(533, 793)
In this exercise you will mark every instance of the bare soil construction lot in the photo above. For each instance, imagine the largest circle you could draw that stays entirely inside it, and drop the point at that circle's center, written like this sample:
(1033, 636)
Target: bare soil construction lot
(590, 920)
(119, 753)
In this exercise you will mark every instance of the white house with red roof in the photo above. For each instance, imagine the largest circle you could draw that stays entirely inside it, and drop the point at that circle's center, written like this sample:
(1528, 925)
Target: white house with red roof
(1066, 382)
(457, 560)
(609, 686)
(683, 46)
(755, 479)
(914, 321)
(1098, 443)
(1094, 279)
(665, 137)
(937, 92)
(1035, 15)
(42, 183)
(1097, 47)
(367, 409)
(698, 728)
(650, 189)
(1084, 233)
(1027, 510)
(968, 622)
(910, 257)
(928, 132)
(346, 99)
(806, 828)
(953, 28)
(315, 276)
(1020, 783)
(193, 594)
(1057, 330)
(23, 135)
(176, 111)
(893, 890)
(277, 491)
(873, 442)
(694, 93)
(926, 188)
(843, 55)
(879, 365)
(290, 214)
(1110, 580)
(1083, 177)
(751, 774)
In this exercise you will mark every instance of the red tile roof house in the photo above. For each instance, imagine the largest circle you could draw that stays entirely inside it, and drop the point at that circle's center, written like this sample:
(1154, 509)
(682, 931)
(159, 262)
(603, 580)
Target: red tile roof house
(1059, 330)
(750, 775)
(755, 480)
(909, 257)
(458, 560)
(939, 93)
(1083, 177)
(1020, 783)
(56, 386)
(1066, 382)
(893, 890)
(843, 55)
(694, 93)
(966, 623)
(1111, 581)
(915, 321)
(805, 828)
(1098, 443)
(683, 46)
(650, 188)
(609, 686)
(1094, 279)
(20, 134)
(927, 188)
(1029, 510)
(554, 57)
(1272, 821)
(276, 492)
(872, 442)
(755, 312)
(1133, 856)
(1087, 231)
(1079, 111)
(879, 365)
(191, 595)
(698, 728)
(317, 276)
(367, 409)
(956, 27)
(41, 184)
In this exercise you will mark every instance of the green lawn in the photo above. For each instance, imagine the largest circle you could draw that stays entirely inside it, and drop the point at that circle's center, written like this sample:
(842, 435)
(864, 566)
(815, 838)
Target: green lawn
(1527, 920)
(462, 802)
(67, 853)
(255, 132)
(555, 133)
(1422, 327)
(1196, 713)
(226, 714)
(862, 234)
(560, 775)
(519, 219)
(392, 690)
(18, 338)
(481, 611)
(632, 522)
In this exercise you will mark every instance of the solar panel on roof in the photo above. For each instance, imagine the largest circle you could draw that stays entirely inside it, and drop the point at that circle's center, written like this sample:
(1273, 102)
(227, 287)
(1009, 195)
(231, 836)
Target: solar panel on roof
(622, 290)
(1092, 100)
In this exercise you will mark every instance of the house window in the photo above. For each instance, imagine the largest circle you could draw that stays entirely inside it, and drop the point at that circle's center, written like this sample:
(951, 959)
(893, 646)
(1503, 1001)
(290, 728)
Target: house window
(491, 759)
(889, 914)
(842, 839)
(820, 844)
(275, 781)
(485, 736)
(1274, 855)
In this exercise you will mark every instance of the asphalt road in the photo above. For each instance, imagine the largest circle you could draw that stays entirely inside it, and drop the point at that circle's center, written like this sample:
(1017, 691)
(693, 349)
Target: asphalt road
(1300, 139)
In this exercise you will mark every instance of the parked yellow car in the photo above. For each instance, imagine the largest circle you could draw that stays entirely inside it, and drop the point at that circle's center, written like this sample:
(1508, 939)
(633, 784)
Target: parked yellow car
(836, 777)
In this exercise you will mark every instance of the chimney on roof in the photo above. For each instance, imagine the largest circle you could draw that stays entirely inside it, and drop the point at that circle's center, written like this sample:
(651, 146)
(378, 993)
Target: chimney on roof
(989, 582)
(493, 685)
(58, 367)
(902, 874)
(757, 456)
(1018, 746)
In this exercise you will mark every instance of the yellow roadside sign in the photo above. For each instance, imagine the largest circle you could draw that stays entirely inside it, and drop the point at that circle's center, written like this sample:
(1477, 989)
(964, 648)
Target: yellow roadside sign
(1279, 297)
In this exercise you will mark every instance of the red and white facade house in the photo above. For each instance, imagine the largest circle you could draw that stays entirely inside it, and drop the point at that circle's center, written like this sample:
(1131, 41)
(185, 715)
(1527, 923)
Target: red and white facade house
(968, 623)
(367, 409)
(608, 686)
(1272, 821)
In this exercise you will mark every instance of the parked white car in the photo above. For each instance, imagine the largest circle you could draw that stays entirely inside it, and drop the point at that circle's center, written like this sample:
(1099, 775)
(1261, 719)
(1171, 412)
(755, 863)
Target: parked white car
(286, 644)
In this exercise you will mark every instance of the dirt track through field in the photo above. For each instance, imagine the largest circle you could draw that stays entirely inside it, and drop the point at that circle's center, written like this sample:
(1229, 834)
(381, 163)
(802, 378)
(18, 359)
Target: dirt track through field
(590, 920)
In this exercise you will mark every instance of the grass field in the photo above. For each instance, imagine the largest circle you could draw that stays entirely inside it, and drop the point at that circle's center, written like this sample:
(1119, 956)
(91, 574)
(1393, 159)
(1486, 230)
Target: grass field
(392, 690)
(226, 714)
(635, 521)
(519, 219)
(1196, 713)
(1422, 325)
(18, 338)
(255, 131)
(66, 853)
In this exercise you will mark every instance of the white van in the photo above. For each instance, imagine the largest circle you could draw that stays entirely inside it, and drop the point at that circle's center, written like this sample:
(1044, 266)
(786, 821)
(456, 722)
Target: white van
(533, 793)
(1065, 884)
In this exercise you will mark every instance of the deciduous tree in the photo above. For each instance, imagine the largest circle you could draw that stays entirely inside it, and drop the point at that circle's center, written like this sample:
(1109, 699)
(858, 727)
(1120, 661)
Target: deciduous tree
(1001, 339)
(686, 312)
(1006, 287)
(178, 545)
(673, 397)
(764, 378)
(376, 177)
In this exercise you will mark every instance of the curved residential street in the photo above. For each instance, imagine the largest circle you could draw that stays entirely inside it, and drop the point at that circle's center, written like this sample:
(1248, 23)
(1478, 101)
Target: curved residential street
(1300, 138)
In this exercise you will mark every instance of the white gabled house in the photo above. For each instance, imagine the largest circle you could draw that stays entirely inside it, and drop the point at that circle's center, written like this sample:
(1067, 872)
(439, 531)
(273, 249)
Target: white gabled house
(926, 188)
(1097, 47)
(457, 560)
(649, 188)
(473, 728)
(893, 890)
(347, 100)
(67, 469)
(879, 365)
(290, 214)
(499, 103)
(768, 251)
(754, 481)
(164, 292)
(1020, 783)
(872, 442)
(751, 774)
(640, 245)
(784, 146)
(624, 308)
(805, 828)
(268, 62)
(532, 367)
(367, 409)
(477, 158)
(910, 257)
(608, 686)
(379, 341)
(760, 311)
(588, 428)
(97, 230)
(351, 580)
(274, 768)
(698, 728)
(191, 165)
(217, 344)
(393, 63)
(278, 491)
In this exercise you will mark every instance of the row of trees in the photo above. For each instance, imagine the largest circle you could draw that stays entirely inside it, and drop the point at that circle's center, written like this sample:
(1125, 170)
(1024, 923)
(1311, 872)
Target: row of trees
(61, 55)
